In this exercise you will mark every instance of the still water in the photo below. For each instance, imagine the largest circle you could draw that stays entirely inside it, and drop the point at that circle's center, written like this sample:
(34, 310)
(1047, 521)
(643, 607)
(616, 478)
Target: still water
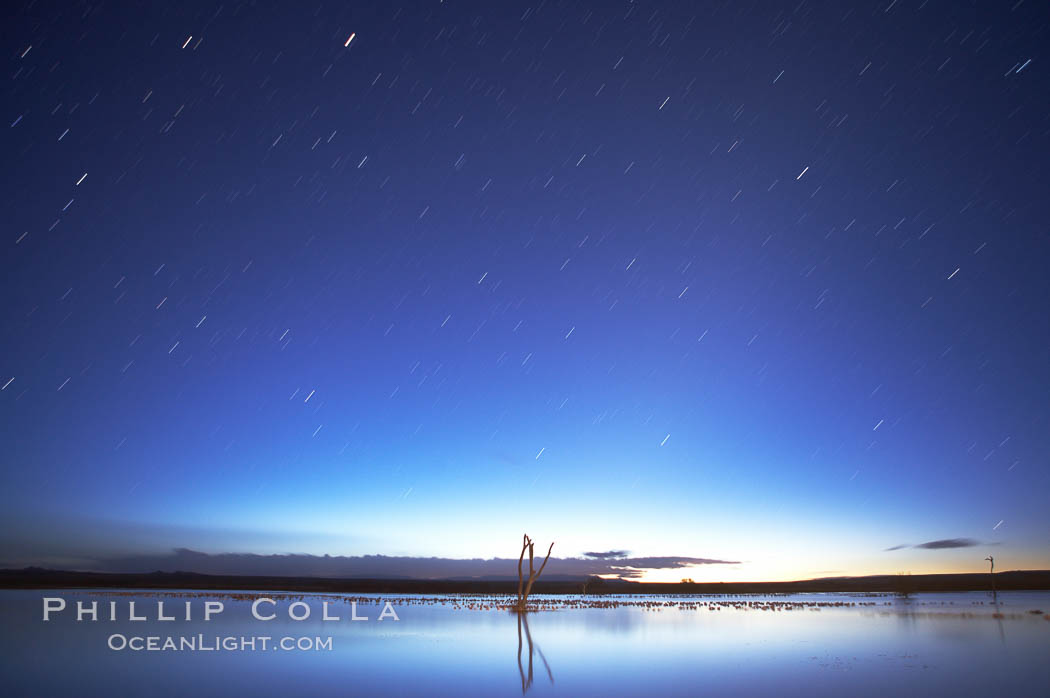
(960, 644)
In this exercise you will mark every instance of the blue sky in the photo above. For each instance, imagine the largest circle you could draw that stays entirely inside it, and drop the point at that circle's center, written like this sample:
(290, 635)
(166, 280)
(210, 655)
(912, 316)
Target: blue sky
(749, 284)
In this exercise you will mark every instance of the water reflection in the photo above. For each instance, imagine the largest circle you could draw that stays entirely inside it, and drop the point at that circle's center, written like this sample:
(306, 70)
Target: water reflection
(830, 644)
(526, 681)
(998, 615)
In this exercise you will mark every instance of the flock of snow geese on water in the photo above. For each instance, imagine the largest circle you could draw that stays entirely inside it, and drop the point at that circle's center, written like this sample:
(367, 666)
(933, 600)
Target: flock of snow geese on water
(881, 603)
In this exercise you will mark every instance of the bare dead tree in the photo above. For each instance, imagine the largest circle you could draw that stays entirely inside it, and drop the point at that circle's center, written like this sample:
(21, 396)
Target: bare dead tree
(525, 586)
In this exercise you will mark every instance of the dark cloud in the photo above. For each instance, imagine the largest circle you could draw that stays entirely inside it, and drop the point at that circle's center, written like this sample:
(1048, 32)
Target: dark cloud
(656, 563)
(948, 543)
(607, 555)
(943, 544)
(379, 566)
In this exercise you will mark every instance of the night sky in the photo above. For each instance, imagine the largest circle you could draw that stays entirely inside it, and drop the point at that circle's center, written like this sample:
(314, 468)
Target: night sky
(755, 282)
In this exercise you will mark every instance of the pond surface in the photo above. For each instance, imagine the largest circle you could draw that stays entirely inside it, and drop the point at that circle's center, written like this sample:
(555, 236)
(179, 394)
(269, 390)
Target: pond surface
(961, 644)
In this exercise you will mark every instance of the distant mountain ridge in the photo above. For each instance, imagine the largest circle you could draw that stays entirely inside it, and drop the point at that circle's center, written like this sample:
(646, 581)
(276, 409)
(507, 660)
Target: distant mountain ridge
(40, 578)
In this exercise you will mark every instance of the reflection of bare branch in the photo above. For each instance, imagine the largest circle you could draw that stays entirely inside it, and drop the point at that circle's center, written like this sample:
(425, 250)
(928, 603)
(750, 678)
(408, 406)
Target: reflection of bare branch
(528, 635)
(521, 670)
(546, 665)
(526, 681)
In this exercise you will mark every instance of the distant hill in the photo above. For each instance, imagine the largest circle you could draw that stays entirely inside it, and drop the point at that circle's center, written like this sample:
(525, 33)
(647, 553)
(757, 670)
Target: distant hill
(38, 578)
